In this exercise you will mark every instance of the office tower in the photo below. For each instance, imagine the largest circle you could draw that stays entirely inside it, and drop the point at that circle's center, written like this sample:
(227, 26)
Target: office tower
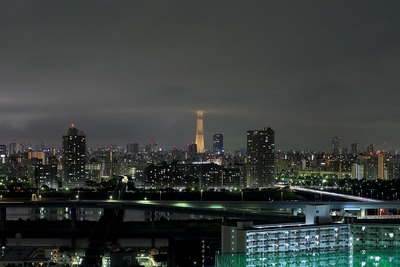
(132, 148)
(354, 149)
(335, 145)
(3, 153)
(73, 160)
(260, 158)
(218, 144)
(15, 148)
(199, 132)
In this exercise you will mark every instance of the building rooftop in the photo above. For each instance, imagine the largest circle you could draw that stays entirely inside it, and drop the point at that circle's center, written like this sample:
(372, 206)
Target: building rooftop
(249, 226)
(19, 254)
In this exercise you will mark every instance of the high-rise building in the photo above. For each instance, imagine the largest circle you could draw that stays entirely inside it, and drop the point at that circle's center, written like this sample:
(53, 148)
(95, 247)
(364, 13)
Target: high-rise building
(291, 239)
(335, 145)
(199, 132)
(282, 244)
(218, 144)
(41, 155)
(260, 158)
(132, 148)
(354, 149)
(3, 149)
(14, 148)
(192, 151)
(3, 153)
(73, 160)
(370, 149)
(46, 174)
(381, 165)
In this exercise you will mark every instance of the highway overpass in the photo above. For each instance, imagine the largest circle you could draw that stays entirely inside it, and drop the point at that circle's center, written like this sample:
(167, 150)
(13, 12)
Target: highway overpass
(215, 208)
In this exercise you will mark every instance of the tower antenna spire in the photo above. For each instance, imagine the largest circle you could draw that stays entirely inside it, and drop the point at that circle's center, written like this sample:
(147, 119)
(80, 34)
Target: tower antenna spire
(199, 132)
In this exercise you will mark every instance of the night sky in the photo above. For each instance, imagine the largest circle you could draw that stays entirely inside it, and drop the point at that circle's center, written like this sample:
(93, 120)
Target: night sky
(130, 71)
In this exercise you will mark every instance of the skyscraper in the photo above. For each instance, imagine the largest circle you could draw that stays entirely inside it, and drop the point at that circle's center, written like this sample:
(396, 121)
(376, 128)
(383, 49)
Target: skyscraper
(218, 144)
(73, 160)
(3, 153)
(354, 149)
(335, 145)
(199, 132)
(192, 151)
(132, 148)
(260, 158)
(381, 165)
(3, 149)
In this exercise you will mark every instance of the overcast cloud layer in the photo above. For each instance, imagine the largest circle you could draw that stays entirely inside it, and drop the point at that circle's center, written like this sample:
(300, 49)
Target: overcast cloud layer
(130, 71)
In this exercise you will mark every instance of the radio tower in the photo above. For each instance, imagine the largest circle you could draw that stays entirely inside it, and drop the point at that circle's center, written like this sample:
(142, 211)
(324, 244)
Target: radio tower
(199, 132)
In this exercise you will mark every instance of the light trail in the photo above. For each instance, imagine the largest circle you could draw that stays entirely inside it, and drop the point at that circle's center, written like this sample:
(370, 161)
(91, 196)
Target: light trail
(319, 192)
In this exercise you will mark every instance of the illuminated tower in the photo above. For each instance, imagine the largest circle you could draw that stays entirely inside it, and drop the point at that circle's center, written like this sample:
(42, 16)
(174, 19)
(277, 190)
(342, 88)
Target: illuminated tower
(73, 160)
(199, 132)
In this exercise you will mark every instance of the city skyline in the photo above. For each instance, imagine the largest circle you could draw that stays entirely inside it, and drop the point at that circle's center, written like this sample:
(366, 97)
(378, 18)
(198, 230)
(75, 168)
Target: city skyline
(130, 71)
(347, 147)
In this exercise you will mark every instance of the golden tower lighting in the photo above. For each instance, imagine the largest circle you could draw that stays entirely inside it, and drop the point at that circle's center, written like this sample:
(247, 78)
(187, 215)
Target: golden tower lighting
(199, 132)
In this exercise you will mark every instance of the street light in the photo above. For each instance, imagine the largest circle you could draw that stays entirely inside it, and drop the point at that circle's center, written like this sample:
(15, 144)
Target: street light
(201, 195)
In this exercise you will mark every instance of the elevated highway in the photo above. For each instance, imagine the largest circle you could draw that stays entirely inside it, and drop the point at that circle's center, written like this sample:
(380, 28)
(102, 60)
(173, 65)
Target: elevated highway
(230, 209)
(214, 208)
(334, 195)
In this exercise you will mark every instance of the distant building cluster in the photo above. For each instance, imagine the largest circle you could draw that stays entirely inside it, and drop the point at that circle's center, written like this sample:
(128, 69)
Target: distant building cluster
(356, 163)
(259, 165)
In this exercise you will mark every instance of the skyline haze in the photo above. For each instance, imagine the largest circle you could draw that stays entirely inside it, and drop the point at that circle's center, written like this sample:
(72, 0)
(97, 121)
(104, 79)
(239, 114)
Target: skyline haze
(130, 71)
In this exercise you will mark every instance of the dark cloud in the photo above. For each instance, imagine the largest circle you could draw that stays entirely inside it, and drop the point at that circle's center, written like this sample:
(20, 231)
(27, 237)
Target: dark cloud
(130, 71)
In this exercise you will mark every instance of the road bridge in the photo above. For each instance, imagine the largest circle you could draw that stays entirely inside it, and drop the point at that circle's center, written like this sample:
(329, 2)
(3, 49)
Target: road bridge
(256, 209)
(334, 195)
(228, 209)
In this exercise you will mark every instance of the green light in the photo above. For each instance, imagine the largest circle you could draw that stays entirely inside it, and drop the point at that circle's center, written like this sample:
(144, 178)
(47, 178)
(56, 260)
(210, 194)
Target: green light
(182, 205)
(216, 207)
(384, 257)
